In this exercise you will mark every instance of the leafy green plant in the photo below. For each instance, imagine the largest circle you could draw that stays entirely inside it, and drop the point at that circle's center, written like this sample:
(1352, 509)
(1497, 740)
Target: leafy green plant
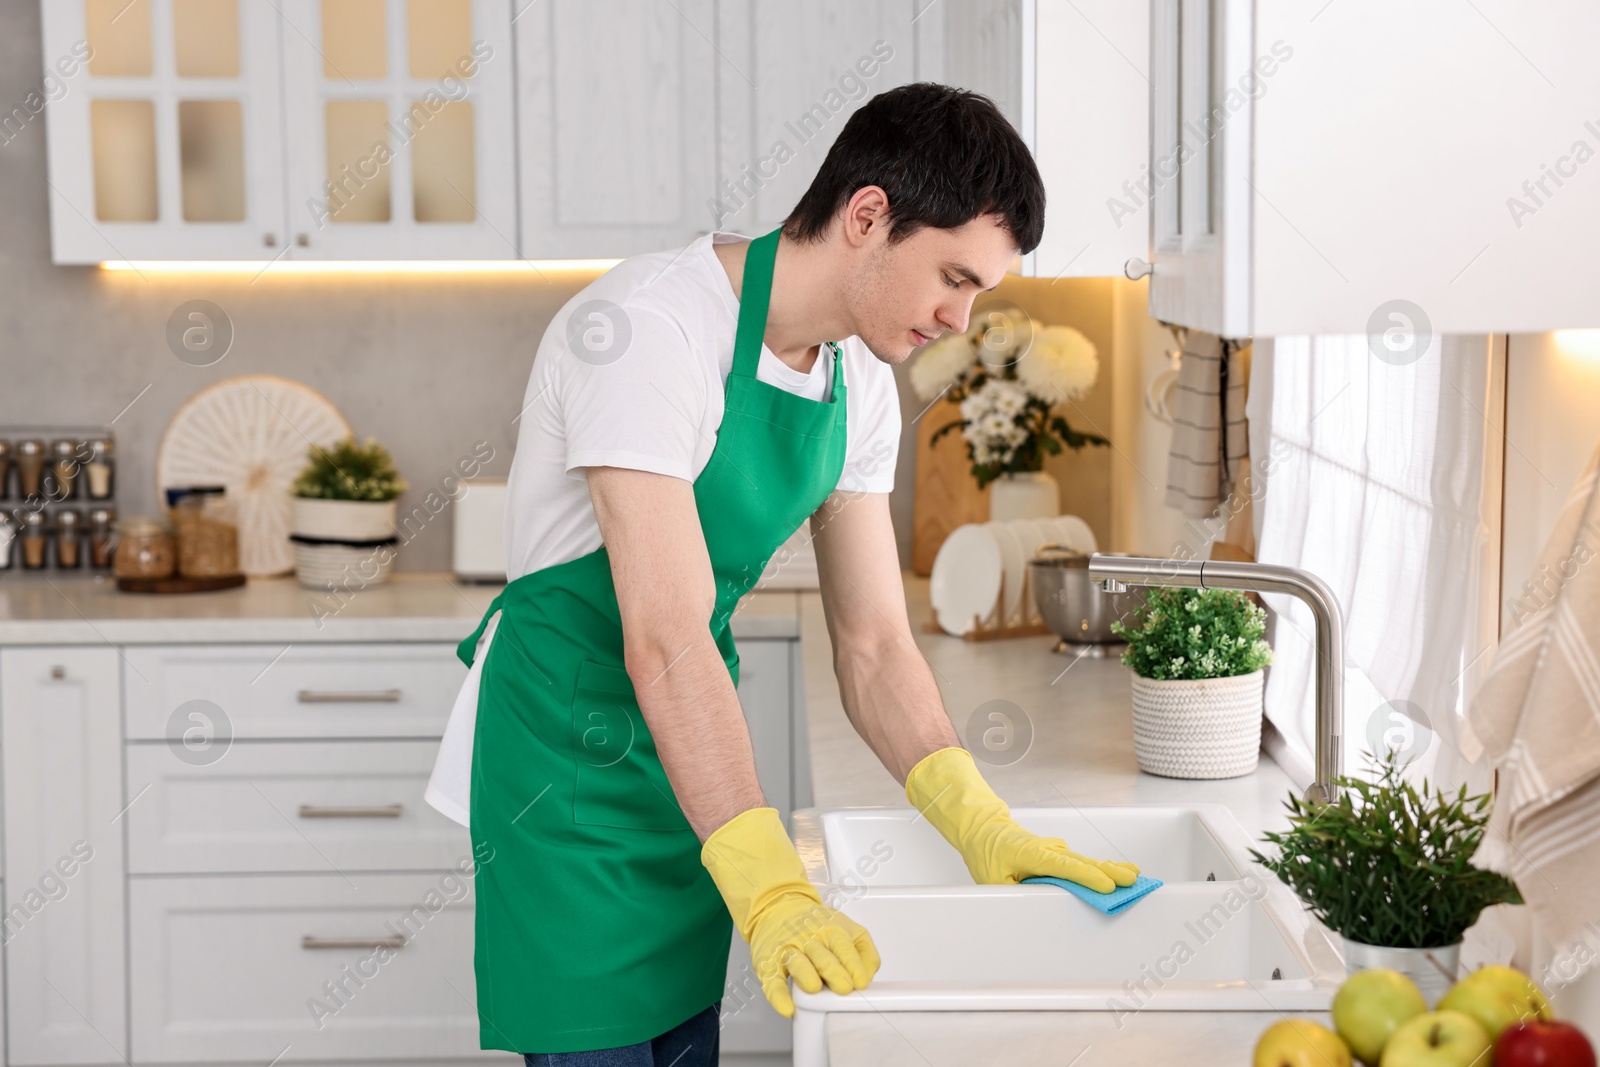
(1195, 633)
(349, 471)
(1387, 863)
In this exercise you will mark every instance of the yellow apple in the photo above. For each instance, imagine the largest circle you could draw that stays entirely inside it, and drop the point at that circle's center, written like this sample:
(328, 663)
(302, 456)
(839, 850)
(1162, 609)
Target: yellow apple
(1439, 1039)
(1497, 997)
(1301, 1043)
(1370, 1007)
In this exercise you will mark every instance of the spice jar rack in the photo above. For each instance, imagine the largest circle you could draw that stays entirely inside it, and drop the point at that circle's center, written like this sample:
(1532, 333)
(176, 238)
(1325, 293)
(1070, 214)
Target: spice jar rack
(58, 509)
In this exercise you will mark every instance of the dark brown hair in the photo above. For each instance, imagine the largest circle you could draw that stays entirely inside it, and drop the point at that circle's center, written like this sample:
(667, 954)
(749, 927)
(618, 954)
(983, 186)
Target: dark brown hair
(943, 155)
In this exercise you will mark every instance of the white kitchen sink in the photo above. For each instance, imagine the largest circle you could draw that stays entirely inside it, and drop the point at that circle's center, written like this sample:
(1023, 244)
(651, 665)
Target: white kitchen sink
(897, 847)
(1238, 944)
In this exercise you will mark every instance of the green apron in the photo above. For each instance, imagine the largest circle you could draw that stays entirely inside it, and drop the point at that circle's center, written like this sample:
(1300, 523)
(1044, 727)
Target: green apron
(597, 926)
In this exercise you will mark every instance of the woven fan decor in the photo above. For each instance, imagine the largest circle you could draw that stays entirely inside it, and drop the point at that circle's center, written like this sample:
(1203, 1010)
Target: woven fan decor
(250, 434)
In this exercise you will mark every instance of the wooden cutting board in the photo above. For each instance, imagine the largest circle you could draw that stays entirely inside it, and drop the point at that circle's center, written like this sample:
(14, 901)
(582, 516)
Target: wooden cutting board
(946, 494)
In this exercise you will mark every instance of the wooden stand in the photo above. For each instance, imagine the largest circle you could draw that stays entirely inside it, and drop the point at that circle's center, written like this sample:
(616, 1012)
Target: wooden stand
(1031, 623)
(178, 584)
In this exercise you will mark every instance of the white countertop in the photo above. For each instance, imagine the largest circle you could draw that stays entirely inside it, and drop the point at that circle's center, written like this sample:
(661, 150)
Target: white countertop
(1080, 712)
(54, 609)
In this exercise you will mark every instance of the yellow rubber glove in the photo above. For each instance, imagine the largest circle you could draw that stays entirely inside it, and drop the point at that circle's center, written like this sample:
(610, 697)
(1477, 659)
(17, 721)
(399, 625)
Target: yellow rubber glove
(946, 787)
(778, 912)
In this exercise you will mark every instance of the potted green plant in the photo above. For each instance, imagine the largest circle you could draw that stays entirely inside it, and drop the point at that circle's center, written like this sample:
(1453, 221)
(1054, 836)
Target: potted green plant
(344, 512)
(1008, 372)
(1197, 657)
(1388, 867)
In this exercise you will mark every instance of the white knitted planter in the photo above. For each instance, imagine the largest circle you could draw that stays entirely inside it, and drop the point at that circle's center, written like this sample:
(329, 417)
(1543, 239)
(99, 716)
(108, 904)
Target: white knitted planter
(1197, 728)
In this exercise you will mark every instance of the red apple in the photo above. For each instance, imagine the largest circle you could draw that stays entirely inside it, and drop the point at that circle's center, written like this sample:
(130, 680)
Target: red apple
(1542, 1044)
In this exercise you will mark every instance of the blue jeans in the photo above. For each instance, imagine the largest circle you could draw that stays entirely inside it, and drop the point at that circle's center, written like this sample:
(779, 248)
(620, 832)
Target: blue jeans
(692, 1043)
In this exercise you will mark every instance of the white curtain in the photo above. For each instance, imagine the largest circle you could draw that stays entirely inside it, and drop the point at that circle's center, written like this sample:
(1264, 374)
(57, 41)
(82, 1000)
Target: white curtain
(1373, 481)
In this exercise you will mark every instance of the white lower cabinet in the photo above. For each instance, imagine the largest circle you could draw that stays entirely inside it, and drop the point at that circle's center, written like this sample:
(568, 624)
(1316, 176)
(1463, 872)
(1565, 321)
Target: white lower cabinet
(297, 968)
(221, 854)
(220, 693)
(60, 710)
(307, 806)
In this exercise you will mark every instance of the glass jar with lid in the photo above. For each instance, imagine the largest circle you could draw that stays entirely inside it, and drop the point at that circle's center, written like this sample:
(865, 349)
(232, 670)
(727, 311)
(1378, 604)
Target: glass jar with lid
(61, 482)
(208, 533)
(69, 538)
(99, 469)
(34, 539)
(102, 537)
(145, 548)
(8, 541)
(30, 460)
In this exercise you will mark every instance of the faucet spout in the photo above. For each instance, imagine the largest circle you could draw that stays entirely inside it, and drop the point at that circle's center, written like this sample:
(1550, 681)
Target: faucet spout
(1117, 573)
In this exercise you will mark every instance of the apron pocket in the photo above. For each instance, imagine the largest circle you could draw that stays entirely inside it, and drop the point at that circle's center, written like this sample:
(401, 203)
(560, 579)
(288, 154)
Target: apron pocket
(620, 780)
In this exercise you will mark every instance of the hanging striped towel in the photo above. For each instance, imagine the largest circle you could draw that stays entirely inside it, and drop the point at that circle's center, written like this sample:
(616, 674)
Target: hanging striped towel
(1538, 716)
(1208, 425)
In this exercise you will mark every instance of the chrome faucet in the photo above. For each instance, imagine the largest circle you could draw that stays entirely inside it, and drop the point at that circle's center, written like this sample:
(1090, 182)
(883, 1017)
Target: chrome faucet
(1115, 574)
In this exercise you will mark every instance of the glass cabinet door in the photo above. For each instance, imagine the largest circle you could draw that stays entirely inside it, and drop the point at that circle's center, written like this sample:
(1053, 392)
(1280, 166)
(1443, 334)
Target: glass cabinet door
(399, 129)
(164, 130)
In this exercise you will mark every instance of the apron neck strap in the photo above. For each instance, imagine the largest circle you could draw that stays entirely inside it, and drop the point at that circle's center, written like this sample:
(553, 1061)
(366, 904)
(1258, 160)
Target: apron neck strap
(754, 292)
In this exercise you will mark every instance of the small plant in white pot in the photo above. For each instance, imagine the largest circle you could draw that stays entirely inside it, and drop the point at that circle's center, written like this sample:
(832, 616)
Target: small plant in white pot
(1197, 657)
(344, 513)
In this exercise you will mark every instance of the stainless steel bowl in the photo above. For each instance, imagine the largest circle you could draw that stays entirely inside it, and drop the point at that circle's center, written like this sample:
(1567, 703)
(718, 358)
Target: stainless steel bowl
(1075, 608)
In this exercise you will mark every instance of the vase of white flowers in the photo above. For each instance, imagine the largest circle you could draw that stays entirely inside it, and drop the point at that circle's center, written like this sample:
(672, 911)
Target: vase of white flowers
(1024, 495)
(1008, 372)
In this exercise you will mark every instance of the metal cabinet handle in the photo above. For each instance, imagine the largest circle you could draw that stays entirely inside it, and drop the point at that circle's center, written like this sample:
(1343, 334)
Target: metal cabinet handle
(316, 811)
(58, 672)
(303, 240)
(270, 240)
(310, 942)
(352, 696)
(1137, 268)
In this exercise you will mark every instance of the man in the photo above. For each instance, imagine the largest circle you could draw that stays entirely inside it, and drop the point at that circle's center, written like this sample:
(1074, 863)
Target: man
(687, 412)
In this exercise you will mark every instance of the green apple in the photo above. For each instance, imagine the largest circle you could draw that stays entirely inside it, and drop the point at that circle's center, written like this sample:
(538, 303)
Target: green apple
(1370, 1007)
(1301, 1043)
(1439, 1039)
(1497, 997)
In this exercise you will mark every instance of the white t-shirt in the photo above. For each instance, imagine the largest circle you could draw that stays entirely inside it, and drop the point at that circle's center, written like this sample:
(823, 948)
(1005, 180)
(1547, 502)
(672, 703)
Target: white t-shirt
(639, 384)
(642, 388)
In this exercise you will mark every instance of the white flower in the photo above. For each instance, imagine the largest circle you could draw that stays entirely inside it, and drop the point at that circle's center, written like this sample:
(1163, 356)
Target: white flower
(941, 364)
(1009, 397)
(992, 427)
(1060, 365)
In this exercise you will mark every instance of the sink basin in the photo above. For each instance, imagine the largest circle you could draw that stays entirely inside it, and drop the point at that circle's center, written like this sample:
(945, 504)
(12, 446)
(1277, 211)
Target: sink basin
(1240, 944)
(884, 847)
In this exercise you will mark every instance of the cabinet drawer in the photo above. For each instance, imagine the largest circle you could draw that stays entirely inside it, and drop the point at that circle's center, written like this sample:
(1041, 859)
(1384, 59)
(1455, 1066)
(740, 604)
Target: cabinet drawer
(261, 691)
(318, 806)
(764, 694)
(226, 970)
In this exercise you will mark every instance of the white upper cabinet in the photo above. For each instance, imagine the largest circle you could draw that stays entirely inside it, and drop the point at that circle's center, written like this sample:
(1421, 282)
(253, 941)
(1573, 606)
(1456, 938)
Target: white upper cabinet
(1074, 79)
(166, 141)
(616, 117)
(1367, 165)
(399, 129)
(1195, 184)
(788, 78)
(309, 129)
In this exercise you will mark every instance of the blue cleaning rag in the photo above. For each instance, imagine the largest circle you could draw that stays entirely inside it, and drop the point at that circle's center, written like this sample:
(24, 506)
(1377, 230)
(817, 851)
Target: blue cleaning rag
(1112, 903)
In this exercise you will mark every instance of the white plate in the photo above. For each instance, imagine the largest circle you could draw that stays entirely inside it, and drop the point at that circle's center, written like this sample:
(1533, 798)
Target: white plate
(1073, 532)
(1032, 533)
(966, 578)
(1013, 557)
